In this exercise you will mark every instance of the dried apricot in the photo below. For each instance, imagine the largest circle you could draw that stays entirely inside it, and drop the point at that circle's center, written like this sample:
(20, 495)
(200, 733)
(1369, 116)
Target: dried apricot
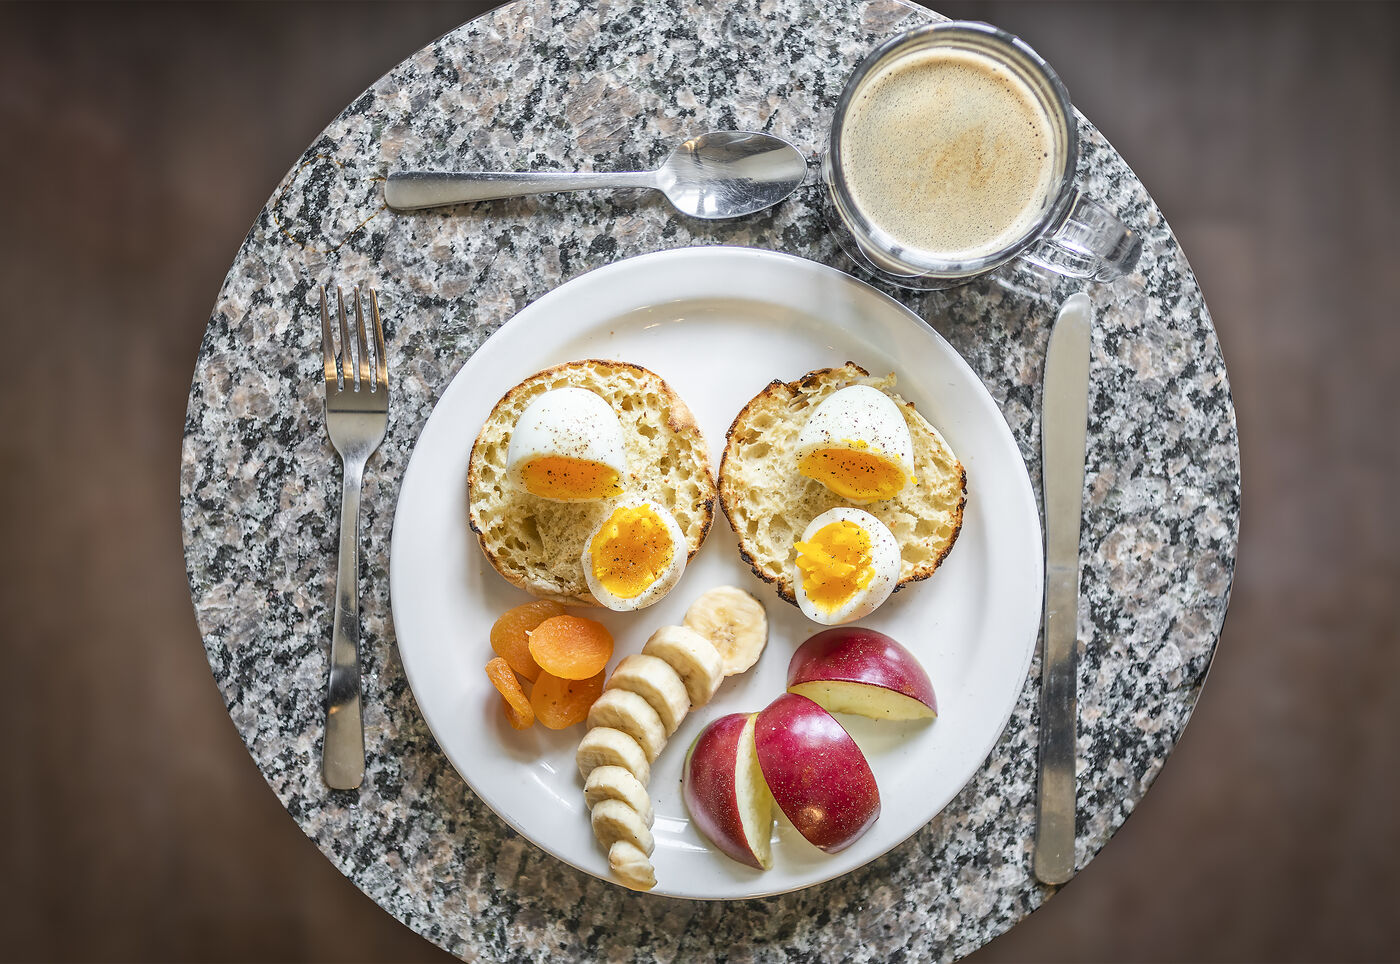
(563, 702)
(571, 647)
(510, 636)
(518, 709)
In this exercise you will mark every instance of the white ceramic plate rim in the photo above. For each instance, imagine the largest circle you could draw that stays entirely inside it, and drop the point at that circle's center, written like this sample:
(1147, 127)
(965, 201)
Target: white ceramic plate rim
(432, 551)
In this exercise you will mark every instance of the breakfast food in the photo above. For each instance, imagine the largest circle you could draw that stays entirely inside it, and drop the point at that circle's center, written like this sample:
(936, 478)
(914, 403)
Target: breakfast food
(617, 783)
(626, 711)
(573, 651)
(725, 793)
(518, 710)
(694, 659)
(571, 647)
(819, 778)
(560, 703)
(631, 866)
(769, 502)
(647, 697)
(857, 445)
(735, 624)
(634, 556)
(604, 746)
(847, 564)
(656, 682)
(510, 635)
(567, 447)
(614, 820)
(538, 543)
(616, 768)
(951, 151)
(851, 669)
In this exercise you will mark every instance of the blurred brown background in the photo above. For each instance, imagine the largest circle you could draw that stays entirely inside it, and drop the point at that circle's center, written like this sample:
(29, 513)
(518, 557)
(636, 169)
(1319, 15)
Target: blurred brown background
(139, 142)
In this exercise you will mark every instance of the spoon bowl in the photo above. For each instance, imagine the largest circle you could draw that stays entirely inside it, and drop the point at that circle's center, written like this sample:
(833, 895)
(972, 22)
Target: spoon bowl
(727, 174)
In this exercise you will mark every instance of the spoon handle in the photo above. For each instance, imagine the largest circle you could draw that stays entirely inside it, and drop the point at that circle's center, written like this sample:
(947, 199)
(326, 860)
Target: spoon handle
(411, 190)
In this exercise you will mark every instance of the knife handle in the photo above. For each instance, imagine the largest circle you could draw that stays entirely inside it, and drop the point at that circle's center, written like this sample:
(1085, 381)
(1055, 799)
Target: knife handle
(1055, 830)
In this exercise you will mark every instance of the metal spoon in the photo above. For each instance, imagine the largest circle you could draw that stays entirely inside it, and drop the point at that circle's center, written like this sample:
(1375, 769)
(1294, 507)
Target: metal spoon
(722, 174)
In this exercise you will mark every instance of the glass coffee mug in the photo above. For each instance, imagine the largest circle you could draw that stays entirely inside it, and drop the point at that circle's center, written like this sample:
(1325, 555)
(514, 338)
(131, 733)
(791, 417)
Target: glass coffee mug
(953, 151)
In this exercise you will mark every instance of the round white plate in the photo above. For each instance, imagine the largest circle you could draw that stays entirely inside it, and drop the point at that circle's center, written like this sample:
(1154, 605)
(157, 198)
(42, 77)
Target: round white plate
(720, 323)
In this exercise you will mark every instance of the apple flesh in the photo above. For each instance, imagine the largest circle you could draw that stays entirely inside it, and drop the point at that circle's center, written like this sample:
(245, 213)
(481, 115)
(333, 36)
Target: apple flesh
(817, 774)
(850, 669)
(724, 790)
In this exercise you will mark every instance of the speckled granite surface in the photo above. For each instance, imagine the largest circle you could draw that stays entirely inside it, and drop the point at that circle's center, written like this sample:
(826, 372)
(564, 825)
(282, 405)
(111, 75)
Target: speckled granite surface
(570, 85)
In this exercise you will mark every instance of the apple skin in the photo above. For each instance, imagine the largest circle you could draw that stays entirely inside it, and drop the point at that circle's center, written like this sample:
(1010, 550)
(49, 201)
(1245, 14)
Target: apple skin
(851, 669)
(817, 774)
(714, 788)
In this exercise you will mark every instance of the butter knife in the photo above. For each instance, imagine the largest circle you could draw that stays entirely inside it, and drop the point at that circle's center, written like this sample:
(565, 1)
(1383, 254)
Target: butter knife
(1064, 421)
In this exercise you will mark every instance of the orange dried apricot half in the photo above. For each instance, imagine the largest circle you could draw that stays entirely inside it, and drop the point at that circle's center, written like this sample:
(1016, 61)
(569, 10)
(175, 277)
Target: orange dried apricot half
(571, 647)
(563, 702)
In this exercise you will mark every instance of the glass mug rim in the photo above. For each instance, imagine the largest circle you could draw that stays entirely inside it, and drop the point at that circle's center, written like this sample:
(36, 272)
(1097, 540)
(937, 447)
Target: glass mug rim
(915, 261)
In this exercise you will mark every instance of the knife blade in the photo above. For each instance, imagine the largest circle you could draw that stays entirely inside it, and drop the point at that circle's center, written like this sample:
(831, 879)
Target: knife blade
(1064, 422)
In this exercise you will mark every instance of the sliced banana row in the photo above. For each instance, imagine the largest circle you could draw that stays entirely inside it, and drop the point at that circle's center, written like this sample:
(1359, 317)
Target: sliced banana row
(646, 699)
(644, 702)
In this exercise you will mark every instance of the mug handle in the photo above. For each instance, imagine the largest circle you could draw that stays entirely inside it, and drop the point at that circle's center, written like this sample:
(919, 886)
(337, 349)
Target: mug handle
(1089, 243)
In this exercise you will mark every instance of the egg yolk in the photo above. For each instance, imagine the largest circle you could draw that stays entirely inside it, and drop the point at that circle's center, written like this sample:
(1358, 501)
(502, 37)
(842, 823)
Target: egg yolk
(631, 551)
(857, 472)
(561, 477)
(835, 564)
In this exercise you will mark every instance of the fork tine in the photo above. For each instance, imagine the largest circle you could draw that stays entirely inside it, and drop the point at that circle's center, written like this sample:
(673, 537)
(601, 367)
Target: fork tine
(327, 343)
(360, 340)
(346, 361)
(381, 366)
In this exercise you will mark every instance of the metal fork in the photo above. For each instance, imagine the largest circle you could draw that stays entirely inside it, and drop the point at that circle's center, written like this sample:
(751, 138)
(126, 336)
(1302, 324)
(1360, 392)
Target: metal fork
(357, 413)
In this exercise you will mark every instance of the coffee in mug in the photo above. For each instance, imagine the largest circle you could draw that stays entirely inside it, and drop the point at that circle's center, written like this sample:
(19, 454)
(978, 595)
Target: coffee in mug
(952, 152)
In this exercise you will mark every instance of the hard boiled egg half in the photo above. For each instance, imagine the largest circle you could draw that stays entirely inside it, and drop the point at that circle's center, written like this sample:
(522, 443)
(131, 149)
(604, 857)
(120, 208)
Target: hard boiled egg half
(847, 565)
(567, 447)
(857, 444)
(635, 555)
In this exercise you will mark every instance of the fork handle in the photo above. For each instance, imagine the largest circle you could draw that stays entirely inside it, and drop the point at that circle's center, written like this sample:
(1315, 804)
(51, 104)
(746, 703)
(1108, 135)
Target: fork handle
(343, 758)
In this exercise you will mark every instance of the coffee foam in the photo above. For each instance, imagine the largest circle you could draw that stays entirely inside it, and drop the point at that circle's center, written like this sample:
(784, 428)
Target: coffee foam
(950, 153)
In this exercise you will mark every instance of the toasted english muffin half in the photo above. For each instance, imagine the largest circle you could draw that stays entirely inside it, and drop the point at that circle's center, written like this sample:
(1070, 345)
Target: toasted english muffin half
(537, 544)
(768, 503)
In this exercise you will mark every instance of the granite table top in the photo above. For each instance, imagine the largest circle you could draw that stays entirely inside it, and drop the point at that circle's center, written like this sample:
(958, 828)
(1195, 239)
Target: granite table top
(562, 84)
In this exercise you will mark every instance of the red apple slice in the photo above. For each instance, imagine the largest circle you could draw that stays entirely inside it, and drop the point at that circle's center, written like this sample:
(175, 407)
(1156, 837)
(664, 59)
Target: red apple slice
(816, 773)
(724, 790)
(851, 669)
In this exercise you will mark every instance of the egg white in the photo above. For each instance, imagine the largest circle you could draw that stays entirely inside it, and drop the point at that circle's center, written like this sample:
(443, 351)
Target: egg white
(570, 422)
(663, 583)
(884, 559)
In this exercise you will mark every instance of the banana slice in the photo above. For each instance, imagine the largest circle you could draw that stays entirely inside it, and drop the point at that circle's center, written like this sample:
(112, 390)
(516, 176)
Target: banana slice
(604, 746)
(735, 624)
(614, 820)
(631, 866)
(632, 714)
(610, 782)
(695, 661)
(656, 682)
